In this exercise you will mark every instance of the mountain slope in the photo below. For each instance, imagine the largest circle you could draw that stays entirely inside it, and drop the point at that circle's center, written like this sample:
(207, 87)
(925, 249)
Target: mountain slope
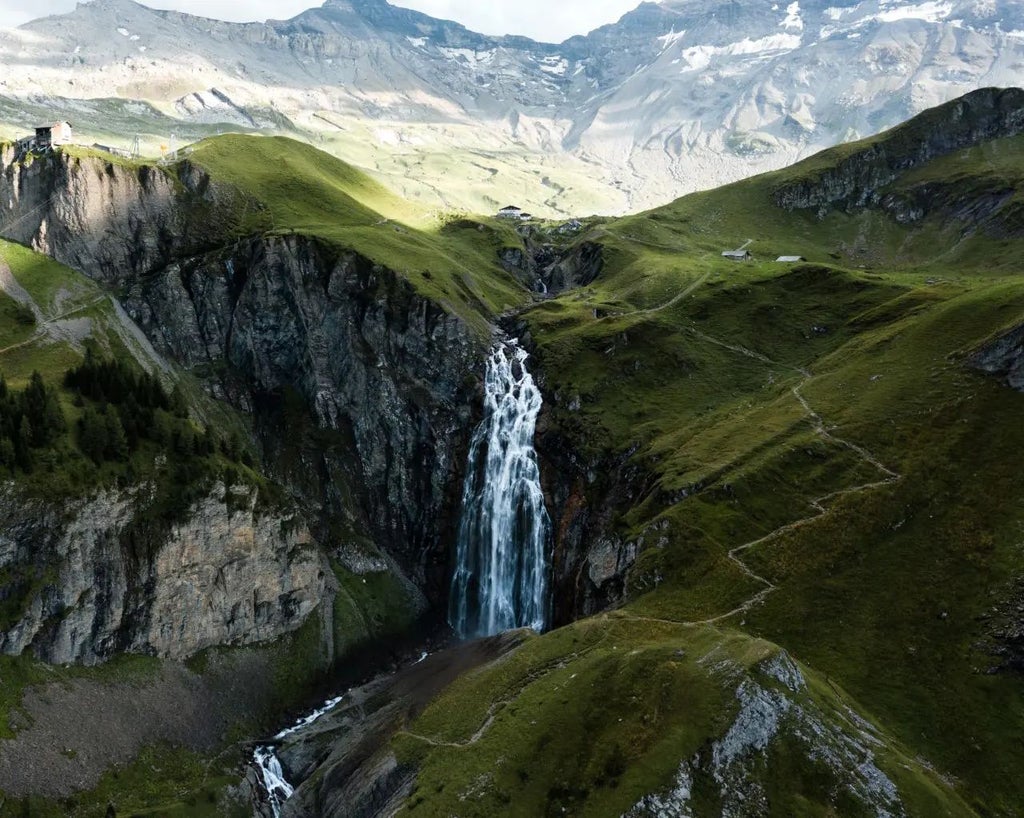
(753, 458)
(785, 496)
(675, 97)
(231, 536)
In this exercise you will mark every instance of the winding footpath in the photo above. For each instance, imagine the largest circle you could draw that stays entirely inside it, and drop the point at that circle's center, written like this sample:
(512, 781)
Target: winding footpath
(42, 328)
(818, 504)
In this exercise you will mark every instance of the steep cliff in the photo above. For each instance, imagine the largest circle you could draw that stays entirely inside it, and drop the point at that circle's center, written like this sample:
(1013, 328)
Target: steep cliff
(226, 574)
(1004, 357)
(375, 382)
(856, 176)
(361, 389)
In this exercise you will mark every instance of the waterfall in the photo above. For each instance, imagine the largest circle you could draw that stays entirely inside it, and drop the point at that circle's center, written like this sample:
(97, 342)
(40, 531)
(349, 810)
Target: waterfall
(268, 765)
(501, 570)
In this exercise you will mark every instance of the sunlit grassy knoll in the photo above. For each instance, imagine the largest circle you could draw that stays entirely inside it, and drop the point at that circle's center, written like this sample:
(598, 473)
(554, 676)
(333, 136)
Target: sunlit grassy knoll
(54, 287)
(311, 193)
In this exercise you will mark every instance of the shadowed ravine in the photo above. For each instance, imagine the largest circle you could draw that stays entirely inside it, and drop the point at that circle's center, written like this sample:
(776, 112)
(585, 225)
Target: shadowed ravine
(500, 582)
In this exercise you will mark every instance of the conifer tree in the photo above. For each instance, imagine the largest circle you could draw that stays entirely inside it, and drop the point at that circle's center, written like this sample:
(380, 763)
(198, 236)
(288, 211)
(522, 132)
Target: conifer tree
(23, 445)
(117, 442)
(92, 437)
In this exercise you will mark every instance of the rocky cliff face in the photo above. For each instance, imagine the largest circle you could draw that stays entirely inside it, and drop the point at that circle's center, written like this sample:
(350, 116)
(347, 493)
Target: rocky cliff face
(591, 557)
(85, 588)
(385, 378)
(586, 494)
(111, 221)
(1004, 358)
(362, 391)
(858, 180)
(550, 262)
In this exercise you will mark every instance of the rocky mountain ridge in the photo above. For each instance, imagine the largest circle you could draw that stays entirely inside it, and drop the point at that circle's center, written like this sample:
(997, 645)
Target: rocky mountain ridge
(673, 98)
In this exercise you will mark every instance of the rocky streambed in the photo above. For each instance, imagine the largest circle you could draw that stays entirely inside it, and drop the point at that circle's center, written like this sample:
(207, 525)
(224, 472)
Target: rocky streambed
(337, 760)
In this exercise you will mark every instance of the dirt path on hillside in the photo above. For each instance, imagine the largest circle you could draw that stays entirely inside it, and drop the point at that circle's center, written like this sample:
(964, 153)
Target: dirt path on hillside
(45, 328)
(819, 504)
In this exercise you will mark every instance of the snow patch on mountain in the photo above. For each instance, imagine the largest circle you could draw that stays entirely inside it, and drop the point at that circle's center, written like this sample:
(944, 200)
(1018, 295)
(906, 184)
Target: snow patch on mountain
(676, 96)
(931, 11)
(793, 21)
(700, 57)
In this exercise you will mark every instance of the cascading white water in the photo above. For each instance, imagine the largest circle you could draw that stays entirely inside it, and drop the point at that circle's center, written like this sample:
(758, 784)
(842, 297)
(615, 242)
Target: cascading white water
(269, 766)
(501, 568)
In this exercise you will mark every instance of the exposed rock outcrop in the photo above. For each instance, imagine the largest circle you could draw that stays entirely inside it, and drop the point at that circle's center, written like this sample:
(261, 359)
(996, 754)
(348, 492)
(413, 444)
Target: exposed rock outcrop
(363, 392)
(1004, 358)
(551, 267)
(344, 764)
(591, 559)
(93, 579)
(111, 221)
(859, 179)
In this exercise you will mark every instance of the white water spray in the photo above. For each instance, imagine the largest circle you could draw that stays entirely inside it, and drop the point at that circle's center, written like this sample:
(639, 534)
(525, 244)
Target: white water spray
(269, 765)
(501, 569)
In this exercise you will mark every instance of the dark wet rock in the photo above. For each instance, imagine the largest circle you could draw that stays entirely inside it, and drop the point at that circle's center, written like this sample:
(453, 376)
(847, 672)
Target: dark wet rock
(1004, 358)
(344, 765)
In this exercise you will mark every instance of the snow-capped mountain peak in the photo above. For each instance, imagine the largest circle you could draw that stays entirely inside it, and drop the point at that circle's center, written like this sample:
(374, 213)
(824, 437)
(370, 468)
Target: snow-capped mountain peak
(675, 96)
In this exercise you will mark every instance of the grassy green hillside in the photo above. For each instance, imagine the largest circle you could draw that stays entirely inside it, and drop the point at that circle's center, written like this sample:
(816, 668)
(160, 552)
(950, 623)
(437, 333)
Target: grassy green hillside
(298, 189)
(618, 716)
(829, 476)
(830, 533)
(53, 318)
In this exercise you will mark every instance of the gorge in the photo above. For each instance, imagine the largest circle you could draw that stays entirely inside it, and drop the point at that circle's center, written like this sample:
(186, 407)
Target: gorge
(344, 459)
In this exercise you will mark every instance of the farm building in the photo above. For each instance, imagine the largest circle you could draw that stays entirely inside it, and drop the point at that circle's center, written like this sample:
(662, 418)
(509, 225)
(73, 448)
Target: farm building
(511, 212)
(789, 259)
(737, 255)
(54, 135)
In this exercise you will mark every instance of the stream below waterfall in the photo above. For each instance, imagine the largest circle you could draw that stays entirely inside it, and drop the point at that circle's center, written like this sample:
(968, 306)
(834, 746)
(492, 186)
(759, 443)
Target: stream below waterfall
(500, 581)
(268, 765)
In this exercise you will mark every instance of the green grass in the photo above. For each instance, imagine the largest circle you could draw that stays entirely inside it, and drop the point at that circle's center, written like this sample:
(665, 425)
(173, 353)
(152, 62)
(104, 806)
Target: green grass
(168, 780)
(590, 719)
(690, 362)
(308, 192)
(45, 279)
(372, 607)
(17, 322)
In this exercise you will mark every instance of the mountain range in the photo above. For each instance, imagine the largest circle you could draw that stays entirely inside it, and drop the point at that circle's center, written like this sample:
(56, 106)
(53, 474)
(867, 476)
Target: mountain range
(237, 400)
(676, 96)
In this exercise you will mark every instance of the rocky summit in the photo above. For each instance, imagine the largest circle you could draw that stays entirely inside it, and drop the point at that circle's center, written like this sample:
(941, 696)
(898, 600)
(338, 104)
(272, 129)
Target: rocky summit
(676, 96)
(333, 483)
